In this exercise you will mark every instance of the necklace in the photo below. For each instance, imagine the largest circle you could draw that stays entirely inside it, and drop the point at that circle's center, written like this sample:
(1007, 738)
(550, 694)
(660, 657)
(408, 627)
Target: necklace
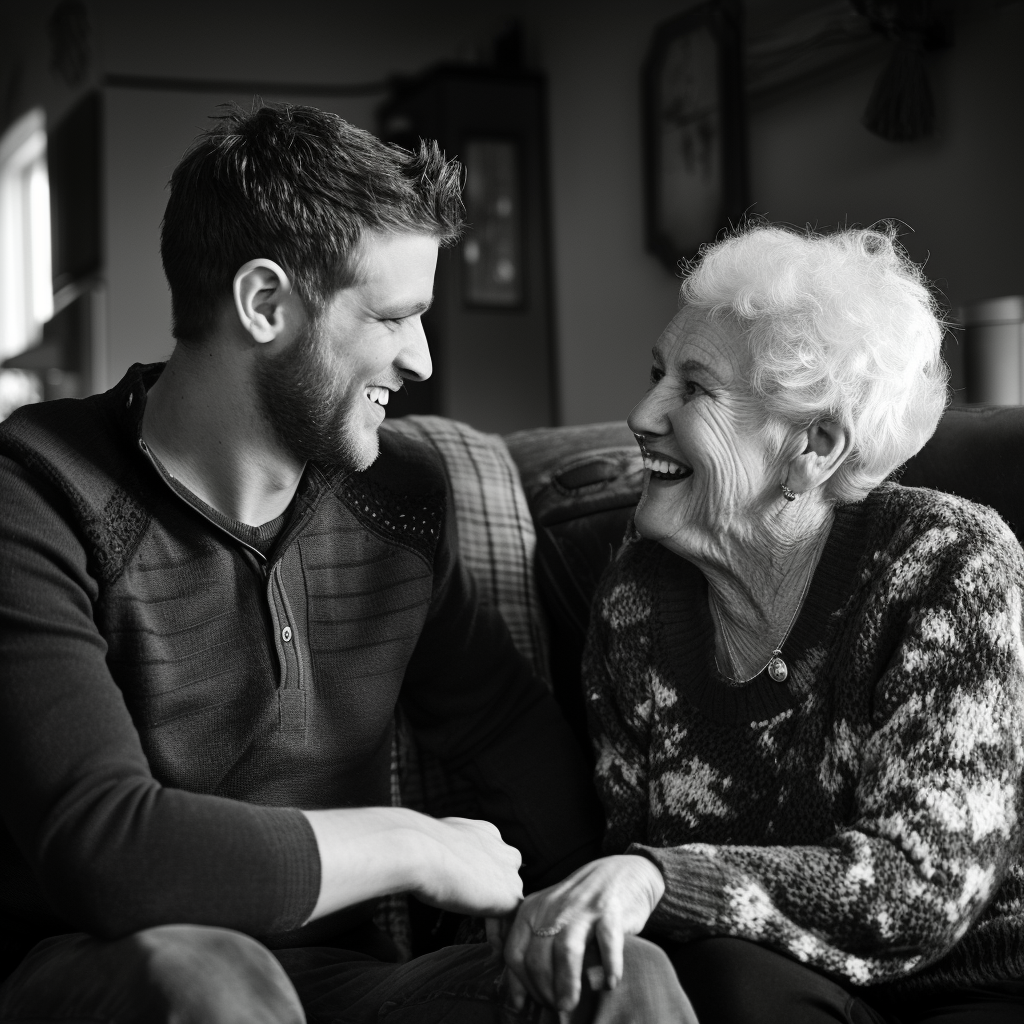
(777, 668)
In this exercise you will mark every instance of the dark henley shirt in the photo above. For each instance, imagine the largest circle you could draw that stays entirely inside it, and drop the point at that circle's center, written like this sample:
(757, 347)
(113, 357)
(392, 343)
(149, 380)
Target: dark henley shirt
(170, 697)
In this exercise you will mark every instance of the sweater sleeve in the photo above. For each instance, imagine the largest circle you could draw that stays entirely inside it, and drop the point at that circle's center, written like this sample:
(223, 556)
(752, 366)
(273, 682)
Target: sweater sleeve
(935, 824)
(476, 705)
(110, 850)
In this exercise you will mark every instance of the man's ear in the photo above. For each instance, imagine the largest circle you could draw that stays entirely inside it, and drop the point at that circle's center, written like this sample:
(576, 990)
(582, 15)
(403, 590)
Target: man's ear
(265, 301)
(827, 445)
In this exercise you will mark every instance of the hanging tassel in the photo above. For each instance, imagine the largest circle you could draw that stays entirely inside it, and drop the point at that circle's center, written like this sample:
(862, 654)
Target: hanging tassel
(901, 107)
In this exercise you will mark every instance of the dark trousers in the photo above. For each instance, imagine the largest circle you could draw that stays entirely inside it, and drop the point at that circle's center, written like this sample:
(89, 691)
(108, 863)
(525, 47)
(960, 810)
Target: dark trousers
(197, 975)
(189, 974)
(730, 981)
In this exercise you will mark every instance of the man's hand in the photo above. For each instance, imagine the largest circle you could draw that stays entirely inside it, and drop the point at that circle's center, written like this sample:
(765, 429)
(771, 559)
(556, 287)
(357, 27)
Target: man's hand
(452, 863)
(606, 899)
(468, 869)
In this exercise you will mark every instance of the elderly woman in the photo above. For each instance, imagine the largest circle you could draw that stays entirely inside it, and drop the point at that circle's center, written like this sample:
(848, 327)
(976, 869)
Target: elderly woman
(805, 682)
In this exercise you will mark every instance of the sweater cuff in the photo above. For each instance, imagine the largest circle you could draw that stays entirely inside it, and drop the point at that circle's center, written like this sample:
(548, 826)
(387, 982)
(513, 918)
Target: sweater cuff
(694, 885)
(291, 842)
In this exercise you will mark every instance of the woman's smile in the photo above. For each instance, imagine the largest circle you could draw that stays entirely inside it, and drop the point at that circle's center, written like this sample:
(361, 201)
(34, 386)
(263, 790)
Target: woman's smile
(664, 467)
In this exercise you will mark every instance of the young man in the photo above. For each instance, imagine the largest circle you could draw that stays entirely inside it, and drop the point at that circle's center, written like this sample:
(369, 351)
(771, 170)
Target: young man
(217, 581)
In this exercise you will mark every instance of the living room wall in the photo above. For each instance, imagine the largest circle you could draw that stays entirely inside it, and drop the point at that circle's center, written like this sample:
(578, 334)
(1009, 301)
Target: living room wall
(958, 193)
(811, 160)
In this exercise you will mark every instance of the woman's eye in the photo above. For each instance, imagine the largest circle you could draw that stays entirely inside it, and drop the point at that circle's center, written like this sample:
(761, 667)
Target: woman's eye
(656, 374)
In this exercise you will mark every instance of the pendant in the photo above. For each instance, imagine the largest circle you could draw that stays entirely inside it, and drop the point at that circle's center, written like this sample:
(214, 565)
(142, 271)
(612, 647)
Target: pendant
(777, 669)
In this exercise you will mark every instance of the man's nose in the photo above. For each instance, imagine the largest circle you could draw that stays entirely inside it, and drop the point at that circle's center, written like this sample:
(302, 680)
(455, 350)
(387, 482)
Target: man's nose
(413, 361)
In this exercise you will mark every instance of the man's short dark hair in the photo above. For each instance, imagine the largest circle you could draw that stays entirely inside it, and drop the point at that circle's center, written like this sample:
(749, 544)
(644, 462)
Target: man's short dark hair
(298, 186)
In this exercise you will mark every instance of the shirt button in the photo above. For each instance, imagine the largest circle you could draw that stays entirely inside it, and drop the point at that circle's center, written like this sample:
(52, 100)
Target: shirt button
(128, 404)
(286, 634)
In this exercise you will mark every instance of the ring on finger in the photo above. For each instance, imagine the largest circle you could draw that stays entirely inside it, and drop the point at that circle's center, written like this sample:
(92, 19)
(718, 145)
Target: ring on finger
(546, 933)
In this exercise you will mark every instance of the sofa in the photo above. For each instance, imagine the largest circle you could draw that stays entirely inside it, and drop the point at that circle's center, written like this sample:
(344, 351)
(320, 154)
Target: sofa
(540, 514)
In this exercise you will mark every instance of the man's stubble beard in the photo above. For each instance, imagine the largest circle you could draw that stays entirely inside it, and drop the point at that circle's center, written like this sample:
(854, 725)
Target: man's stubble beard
(310, 408)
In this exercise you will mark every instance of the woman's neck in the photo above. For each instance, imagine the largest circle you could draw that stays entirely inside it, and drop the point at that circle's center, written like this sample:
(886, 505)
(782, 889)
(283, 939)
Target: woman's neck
(756, 593)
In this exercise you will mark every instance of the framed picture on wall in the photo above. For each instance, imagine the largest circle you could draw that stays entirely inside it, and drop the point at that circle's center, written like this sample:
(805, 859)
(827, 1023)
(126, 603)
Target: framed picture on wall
(694, 130)
(492, 251)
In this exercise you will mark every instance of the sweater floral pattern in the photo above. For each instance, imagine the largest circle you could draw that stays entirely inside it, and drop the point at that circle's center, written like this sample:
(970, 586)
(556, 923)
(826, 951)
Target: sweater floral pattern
(864, 815)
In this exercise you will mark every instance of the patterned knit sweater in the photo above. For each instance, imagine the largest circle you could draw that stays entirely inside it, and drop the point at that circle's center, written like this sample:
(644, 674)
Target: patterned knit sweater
(864, 816)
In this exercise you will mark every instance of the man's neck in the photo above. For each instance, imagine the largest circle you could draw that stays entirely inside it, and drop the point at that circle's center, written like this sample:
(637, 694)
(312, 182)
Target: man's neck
(203, 423)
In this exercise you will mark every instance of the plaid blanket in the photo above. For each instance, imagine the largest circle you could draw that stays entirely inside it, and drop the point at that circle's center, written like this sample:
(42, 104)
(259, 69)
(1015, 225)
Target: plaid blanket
(496, 535)
(497, 543)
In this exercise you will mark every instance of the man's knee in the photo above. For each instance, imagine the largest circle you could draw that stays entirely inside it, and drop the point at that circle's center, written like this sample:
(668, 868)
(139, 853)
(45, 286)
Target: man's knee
(192, 974)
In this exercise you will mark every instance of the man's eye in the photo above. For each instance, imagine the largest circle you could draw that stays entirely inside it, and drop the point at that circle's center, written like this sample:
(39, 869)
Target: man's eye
(690, 388)
(656, 374)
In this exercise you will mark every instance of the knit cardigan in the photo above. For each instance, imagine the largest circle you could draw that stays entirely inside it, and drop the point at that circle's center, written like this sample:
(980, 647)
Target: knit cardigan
(864, 815)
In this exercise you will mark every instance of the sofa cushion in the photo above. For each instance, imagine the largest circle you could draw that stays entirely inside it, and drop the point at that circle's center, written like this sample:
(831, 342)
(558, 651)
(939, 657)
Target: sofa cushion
(496, 540)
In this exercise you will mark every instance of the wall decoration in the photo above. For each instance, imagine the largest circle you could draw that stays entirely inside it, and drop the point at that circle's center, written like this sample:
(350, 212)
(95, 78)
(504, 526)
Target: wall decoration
(901, 108)
(492, 249)
(695, 132)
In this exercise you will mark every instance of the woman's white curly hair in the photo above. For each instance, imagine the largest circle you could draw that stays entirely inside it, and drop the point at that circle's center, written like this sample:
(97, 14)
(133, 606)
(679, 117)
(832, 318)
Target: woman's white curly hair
(841, 326)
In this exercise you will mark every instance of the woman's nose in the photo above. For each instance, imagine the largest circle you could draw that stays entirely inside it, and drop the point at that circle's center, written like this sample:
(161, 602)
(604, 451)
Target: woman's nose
(644, 418)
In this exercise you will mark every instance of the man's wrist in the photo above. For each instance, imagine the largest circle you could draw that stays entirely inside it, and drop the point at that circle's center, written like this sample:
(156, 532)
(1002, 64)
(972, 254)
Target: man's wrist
(369, 852)
(426, 856)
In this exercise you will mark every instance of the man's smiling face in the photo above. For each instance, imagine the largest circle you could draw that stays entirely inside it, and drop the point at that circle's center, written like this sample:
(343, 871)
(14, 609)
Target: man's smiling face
(325, 393)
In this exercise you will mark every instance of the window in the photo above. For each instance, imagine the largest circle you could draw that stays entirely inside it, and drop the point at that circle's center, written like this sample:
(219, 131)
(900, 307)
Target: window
(26, 287)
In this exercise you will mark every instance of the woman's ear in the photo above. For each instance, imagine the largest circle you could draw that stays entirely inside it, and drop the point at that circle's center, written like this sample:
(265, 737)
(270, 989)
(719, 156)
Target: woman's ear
(265, 302)
(827, 445)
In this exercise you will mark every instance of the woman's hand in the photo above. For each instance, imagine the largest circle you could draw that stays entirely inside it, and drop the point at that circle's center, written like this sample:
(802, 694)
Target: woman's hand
(606, 899)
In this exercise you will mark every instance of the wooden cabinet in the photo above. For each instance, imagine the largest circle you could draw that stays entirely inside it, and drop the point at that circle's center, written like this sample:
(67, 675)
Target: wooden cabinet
(490, 330)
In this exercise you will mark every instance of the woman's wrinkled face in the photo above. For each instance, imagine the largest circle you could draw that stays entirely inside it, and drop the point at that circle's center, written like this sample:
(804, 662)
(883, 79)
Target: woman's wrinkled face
(710, 476)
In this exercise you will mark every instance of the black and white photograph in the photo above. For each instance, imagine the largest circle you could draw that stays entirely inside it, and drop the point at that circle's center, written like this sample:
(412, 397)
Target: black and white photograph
(512, 512)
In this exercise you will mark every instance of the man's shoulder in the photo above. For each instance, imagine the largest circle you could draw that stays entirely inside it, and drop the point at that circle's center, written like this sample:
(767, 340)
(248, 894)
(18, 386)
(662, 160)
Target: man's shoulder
(407, 467)
(403, 497)
(79, 456)
(71, 442)
(408, 463)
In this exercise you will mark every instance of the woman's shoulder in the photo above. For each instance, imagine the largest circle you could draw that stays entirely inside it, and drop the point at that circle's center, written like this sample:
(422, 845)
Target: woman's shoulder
(640, 571)
(931, 531)
(916, 510)
(627, 578)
